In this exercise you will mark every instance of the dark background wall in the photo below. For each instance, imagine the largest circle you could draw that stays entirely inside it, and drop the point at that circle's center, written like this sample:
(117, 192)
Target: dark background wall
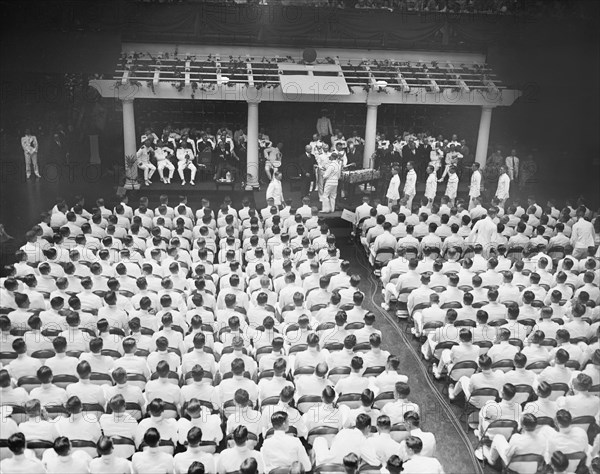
(554, 60)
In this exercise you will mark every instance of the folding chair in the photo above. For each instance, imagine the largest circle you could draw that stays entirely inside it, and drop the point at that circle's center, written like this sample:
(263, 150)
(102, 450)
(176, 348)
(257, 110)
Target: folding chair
(326, 432)
(476, 400)
(465, 368)
(84, 445)
(338, 373)
(307, 401)
(351, 400)
(399, 433)
(558, 390)
(505, 365)
(524, 393)
(373, 371)
(383, 399)
(329, 469)
(524, 464)
(362, 347)
(538, 366)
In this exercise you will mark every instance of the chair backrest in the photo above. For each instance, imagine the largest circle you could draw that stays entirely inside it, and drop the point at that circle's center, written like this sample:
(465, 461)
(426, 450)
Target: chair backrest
(7, 356)
(549, 342)
(170, 410)
(583, 422)
(309, 370)
(441, 346)
(351, 400)
(558, 390)
(525, 464)
(465, 368)
(362, 347)
(546, 421)
(326, 432)
(338, 373)
(505, 365)
(43, 354)
(123, 446)
(18, 413)
(269, 401)
(297, 348)
(323, 326)
(329, 468)
(399, 433)
(62, 380)
(38, 446)
(111, 353)
(100, 379)
(484, 346)
(480, 396)
(497, 322)
(538, 366)
(28, 382)
(383, 399)
(354, 326)
(504, 428)
(84, 445)
(138, 380)
(93, 408)
(334, 346)
(373, 371)
(307, 401)
(465, 323)
(576, 460)
(523, 394)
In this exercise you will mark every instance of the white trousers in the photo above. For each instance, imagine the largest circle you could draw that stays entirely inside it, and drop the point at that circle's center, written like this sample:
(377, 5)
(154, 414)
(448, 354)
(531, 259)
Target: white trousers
(329, 196)
(148, 169)
(471, 202)
(410, 200)
(162, 164)
(182, 166)
(31, 162)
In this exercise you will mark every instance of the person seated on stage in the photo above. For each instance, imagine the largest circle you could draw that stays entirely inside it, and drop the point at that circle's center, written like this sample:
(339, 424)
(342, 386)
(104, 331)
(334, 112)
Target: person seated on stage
(185, 158)
(143, 161)
(163, 153)
(226, 161)
(273, 159)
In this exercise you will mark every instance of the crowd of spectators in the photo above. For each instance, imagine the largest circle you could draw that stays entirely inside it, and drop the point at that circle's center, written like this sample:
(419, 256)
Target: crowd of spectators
(166, 339)
(510, 323)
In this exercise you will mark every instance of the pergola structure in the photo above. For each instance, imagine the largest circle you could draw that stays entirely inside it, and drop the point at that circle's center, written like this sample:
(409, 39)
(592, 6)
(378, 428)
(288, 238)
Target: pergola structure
(255, 75)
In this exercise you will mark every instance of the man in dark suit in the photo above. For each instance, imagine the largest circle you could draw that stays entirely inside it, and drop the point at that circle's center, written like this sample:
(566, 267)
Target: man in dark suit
(57, 152)
(424, 154)
(409, 153)
(306, 165)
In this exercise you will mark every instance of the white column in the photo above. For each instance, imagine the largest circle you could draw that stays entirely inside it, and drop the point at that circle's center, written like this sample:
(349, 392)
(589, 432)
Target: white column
(370, 134)
(484, 135)
(252, 146)
(129, 142)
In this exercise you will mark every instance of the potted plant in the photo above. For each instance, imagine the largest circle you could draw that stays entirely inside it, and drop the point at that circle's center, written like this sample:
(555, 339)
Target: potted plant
(131, 172)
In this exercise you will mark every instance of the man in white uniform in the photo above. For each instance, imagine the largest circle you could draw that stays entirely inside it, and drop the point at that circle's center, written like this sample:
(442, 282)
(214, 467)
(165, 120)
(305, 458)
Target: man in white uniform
(512, 166)
(185, 156)
(143, 162)
(274, 189)
(430, 185)
(502, 192)
(410, 187)
(452, 186)
(475, 186)
(393, 192)
(331, 177)
(162, 155)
